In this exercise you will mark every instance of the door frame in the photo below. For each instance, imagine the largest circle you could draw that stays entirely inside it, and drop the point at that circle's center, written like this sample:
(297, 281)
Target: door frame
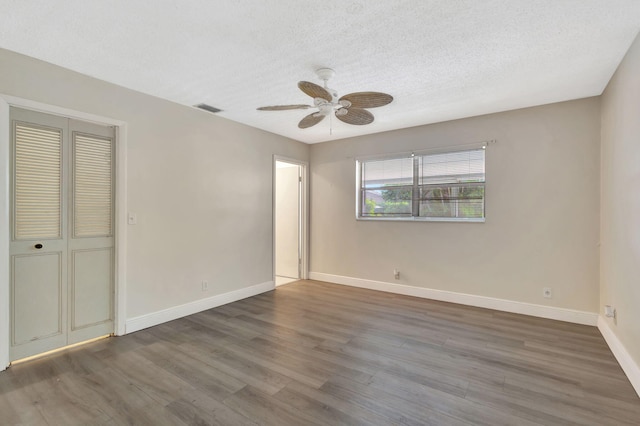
(120, 235)
(304, 214)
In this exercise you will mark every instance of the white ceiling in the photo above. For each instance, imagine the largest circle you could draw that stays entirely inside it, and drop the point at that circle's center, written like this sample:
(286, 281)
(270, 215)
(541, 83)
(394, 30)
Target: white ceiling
(440, 59)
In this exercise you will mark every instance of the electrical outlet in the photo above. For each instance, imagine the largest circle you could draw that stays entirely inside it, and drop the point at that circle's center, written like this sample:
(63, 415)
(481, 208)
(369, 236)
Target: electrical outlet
(205, 285)
(609, 311)
(547, 293)
(396, 274)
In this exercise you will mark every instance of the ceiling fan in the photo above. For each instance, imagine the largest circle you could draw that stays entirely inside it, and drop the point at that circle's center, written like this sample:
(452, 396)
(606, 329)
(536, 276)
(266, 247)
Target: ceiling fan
(349, 108)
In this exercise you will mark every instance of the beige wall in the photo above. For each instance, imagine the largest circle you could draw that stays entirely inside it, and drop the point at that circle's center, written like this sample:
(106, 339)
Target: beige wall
(200, 185)
(542, 204)
(620, 208)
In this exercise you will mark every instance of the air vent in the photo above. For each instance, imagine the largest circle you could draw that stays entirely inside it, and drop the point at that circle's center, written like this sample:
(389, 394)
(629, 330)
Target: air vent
(209, 108)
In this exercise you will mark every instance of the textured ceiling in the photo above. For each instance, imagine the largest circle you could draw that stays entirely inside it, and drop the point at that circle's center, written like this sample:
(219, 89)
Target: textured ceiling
(440, 59)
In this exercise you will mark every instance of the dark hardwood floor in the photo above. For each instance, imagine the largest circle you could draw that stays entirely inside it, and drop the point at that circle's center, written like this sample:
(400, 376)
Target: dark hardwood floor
(312, 353)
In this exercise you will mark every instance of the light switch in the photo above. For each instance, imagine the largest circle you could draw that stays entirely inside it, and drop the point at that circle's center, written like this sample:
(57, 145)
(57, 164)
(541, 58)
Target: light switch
(133, 218)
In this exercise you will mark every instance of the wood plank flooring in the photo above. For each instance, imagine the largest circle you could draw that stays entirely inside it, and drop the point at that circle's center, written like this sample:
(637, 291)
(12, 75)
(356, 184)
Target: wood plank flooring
(313, 353)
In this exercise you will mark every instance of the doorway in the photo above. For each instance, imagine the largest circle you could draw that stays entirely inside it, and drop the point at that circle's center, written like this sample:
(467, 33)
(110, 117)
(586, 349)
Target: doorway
(289, 220)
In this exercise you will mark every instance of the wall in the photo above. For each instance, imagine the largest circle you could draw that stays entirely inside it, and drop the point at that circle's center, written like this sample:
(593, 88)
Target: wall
(199, 184)
(287, 223)
(542, 213)
(620, 208)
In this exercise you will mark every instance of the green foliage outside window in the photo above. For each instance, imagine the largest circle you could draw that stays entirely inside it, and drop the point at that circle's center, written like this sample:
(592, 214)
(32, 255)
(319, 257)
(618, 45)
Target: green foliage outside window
(440, 201)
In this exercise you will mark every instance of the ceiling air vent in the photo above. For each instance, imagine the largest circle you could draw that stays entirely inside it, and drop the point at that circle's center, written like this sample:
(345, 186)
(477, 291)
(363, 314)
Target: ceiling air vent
(209, 108)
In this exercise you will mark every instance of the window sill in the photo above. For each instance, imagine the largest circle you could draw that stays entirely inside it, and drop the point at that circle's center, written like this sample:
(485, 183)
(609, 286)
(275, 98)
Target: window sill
(422, 219)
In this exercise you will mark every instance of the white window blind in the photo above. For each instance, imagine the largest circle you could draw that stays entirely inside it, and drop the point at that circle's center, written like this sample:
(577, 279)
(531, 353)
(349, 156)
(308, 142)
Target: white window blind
(92, 185)
(384, 173)
(452, 167)
(442, 185)
(37, 190)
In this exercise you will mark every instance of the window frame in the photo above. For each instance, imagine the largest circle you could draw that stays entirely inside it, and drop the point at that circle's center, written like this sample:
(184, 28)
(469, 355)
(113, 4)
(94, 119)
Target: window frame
(416, 188)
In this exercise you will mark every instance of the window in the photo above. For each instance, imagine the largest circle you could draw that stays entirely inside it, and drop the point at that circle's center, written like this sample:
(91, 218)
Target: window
(443, 186)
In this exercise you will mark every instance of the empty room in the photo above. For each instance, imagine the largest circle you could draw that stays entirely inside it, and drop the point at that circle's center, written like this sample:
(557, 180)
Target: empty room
(320, 213)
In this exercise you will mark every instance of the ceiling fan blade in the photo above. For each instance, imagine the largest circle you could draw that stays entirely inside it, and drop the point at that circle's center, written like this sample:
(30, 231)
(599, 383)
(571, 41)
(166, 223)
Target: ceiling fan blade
(283, 107)
(311, 120)
(355, 116)
(367, 99)
(314, 90)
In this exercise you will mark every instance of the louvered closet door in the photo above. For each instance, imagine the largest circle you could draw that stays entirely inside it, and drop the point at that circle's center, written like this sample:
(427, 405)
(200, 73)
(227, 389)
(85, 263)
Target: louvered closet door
(91, 251)
(61, 250)
(38, 249)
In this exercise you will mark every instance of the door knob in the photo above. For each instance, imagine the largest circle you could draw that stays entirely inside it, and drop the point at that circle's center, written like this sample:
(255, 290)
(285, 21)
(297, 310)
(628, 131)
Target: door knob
(38, 246)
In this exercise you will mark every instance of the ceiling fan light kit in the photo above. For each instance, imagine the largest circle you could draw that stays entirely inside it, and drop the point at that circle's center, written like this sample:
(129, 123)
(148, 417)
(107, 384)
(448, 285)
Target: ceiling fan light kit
(349, 109)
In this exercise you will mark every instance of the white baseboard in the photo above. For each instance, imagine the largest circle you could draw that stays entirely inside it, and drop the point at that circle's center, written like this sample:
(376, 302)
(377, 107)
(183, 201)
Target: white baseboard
(170, 314)
(629, 366)
(561, 314)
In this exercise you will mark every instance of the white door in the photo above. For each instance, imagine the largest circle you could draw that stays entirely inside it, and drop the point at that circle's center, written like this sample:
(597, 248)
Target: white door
(288, 222)
(62, 244)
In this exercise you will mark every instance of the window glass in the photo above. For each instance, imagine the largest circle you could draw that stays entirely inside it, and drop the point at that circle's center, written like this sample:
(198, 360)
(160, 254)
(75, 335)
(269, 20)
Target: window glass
(387, 202)
(452, 201)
